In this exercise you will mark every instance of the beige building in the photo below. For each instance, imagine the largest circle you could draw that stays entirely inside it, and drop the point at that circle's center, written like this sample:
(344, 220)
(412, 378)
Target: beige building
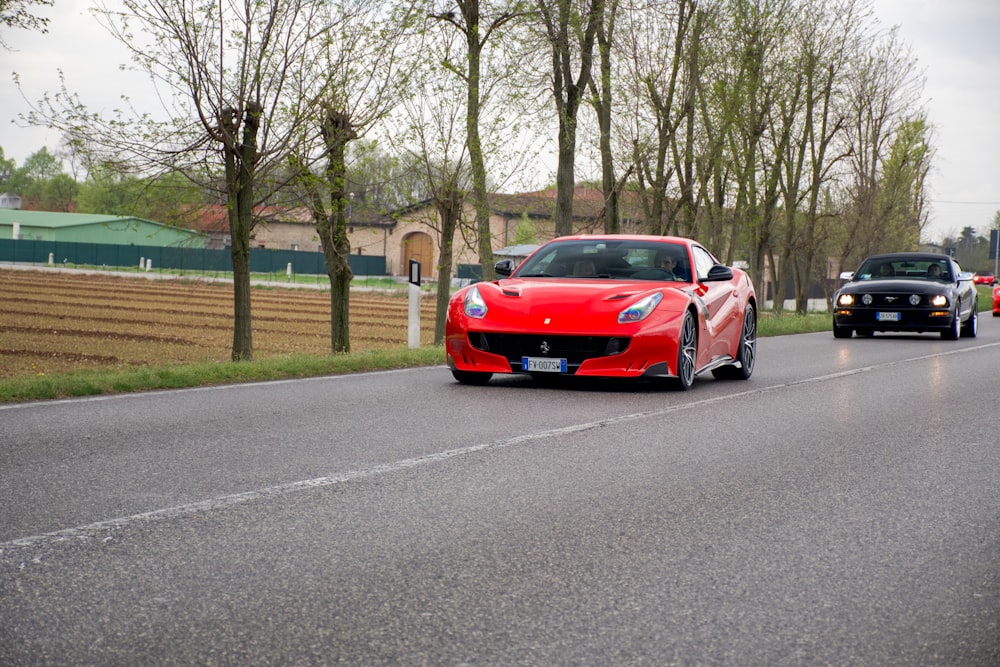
(413, 232)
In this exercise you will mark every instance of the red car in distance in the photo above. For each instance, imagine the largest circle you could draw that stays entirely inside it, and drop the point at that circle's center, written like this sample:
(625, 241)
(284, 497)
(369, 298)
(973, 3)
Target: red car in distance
(996, 301)
(611, 306)
(984, 278)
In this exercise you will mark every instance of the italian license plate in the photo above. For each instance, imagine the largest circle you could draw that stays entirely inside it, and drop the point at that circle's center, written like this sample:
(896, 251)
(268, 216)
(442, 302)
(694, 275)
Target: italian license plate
(543, 365)
(887, 317)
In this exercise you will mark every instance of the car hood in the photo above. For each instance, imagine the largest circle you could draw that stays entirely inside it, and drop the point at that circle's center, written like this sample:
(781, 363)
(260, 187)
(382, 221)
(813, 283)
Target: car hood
(565, 302)
(896, 287)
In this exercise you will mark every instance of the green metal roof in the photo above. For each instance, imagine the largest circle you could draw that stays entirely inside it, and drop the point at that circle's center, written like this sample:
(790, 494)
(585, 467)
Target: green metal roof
(50, 220)
(95, 228)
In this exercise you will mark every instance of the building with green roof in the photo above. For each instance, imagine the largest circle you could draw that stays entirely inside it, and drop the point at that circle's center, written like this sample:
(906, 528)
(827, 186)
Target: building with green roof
(92, 228)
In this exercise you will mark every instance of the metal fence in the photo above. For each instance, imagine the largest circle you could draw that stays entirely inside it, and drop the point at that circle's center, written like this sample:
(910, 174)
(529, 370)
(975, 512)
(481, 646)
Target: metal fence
(262, 260)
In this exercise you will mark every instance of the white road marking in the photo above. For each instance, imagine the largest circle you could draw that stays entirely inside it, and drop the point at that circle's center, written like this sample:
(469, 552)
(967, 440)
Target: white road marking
(98, 528)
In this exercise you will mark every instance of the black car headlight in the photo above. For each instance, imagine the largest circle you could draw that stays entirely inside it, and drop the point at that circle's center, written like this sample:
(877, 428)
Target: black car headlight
(845, 300)
(939, 301)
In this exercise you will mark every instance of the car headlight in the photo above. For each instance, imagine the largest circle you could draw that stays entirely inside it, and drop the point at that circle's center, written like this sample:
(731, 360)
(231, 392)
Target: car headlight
(641, 309)
(474, 305)
(939, 301)
(845, 300)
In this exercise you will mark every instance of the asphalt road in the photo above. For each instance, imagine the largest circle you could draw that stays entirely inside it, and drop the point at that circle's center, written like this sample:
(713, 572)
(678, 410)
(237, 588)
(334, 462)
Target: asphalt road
(842, 507)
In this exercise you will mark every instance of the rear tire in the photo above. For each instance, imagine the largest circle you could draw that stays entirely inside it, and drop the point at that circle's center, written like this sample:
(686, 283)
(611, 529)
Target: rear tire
(471, 377)
(687, 353)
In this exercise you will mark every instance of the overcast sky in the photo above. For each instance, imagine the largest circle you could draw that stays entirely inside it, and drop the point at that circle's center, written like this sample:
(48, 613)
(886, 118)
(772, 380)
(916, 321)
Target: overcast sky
(956, 42)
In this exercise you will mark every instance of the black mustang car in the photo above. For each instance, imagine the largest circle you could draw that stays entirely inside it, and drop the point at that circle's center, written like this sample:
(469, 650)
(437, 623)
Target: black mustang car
(913, 292)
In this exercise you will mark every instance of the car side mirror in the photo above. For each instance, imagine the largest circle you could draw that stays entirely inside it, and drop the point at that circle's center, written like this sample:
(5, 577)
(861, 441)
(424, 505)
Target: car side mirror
(847, 276)
(504, 267)
(965, 275)
(718, 273)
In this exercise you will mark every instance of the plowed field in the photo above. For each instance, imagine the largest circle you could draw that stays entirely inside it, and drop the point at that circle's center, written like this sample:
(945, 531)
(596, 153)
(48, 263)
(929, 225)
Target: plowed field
(54, 322)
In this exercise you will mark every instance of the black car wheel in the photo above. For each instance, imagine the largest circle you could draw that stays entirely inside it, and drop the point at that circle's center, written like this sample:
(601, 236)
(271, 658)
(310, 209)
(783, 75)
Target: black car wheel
(955, 330)
(746, 355)
(687, 353)
(471, 377)
(971, 327)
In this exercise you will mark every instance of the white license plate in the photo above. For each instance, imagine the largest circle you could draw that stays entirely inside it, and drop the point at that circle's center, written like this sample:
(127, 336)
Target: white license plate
(887, 317)
(543, 365)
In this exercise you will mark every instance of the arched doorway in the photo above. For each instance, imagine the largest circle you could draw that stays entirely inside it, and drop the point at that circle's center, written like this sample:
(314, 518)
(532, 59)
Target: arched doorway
(418, 246)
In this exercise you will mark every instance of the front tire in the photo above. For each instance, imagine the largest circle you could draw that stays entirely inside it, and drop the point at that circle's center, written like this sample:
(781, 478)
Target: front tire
(746, 355)
(471, 377)
(687, 353)
(971, 327)
(955, 330)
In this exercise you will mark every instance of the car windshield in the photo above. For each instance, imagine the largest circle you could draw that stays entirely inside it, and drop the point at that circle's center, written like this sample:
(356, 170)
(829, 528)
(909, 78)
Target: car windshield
(915, 268)
(617, 259)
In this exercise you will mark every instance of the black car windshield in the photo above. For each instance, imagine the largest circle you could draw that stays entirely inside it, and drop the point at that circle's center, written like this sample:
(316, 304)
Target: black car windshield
(895, 268)
(610, 259)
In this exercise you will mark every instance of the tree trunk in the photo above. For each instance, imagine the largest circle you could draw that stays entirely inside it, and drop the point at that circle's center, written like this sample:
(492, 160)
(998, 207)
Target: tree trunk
(567, 93)
(602, 103)
(337, 133)
(241, 162)
(449, 208)
(480, 200)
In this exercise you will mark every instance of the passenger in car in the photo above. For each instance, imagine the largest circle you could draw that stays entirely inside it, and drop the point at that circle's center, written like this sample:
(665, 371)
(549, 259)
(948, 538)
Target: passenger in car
(584, 267)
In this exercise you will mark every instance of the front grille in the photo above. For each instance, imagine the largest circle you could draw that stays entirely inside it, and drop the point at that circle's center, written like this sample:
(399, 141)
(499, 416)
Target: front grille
(895, 301)
(575, 349)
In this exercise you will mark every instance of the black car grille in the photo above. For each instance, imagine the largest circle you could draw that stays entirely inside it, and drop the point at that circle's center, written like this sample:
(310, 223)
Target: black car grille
(894, 301)
(575, 349)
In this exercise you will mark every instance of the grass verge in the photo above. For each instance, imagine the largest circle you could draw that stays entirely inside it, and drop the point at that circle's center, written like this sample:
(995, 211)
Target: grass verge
(148, 378)
(95, 382)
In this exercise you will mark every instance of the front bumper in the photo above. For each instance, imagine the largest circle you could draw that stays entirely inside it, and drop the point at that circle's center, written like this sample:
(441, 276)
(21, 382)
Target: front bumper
(591, 356)
(913, 319)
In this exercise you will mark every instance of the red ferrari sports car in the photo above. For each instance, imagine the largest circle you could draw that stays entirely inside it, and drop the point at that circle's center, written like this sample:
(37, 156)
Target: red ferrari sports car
(987, 278)
(613, 306)
(996, 301)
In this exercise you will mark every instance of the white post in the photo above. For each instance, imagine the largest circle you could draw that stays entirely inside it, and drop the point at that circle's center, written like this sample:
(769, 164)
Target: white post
(16, 229)
(149, 263)
(288, 271)
(414, 318)
(142, 263)
(52, 259)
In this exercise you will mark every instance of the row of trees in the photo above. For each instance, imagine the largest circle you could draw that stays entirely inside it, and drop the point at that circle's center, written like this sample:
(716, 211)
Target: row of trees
(783, 132)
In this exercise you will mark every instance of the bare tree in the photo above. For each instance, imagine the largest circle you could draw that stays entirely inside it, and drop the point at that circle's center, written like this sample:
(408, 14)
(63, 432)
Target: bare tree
(230, 104)
(663, 80)
(827, 40)
(883, 95)
(432, 132)
(602, 98)
(571, 29)
(361, 71)
(477, 28)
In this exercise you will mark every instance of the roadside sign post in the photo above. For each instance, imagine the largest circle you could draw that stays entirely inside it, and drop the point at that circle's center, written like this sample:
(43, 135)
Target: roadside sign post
(414, 313)
(995, 250)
